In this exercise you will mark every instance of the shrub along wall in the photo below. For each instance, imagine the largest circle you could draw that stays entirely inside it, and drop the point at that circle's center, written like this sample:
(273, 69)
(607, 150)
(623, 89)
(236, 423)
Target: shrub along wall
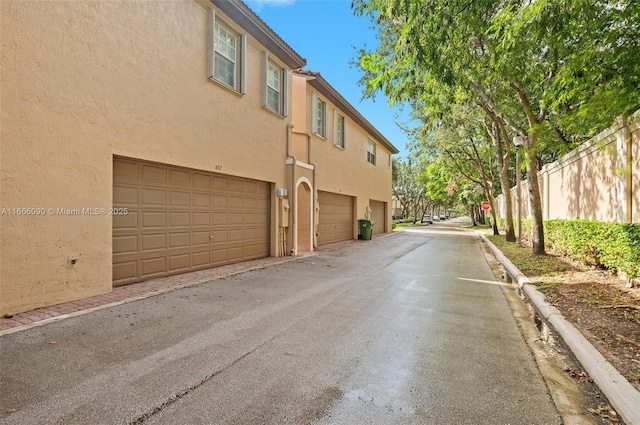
(614, 246)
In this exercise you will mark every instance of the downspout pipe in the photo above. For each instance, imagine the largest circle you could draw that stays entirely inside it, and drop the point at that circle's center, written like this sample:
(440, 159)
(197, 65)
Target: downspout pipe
(314, 239)
(293, 201)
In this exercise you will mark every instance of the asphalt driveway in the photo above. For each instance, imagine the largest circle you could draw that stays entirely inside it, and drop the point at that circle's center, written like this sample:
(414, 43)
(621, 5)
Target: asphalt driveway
(407, 329)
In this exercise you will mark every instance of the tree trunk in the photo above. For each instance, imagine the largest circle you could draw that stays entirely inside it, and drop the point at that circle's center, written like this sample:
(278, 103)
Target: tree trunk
(537, 225)
(498, 135)
(494, 215)
(510, 234)
(479, 214)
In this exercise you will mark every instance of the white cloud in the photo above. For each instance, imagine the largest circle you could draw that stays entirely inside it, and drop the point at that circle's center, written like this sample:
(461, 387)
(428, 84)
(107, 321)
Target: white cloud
(259, 3)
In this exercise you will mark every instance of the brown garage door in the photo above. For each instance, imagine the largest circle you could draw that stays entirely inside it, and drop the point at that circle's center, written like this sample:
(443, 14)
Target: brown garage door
(180, 220)
(378, 215)
(335, 218)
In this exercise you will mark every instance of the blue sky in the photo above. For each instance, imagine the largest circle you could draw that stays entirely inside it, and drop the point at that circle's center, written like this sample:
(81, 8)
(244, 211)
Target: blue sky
(326, 33)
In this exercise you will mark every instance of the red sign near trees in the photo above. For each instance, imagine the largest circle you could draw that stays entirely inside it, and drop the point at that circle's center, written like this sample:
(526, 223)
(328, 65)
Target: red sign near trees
(485, 205)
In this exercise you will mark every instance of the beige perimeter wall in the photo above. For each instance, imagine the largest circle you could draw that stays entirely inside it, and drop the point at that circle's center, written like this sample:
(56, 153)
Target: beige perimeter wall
(600, 180)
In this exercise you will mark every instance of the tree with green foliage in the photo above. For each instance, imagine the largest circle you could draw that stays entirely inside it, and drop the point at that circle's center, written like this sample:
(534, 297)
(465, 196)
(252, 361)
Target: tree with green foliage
(497, 132)
(409, 188)
(463, 140)
(439, 180)
(540, 68)
(451, 189)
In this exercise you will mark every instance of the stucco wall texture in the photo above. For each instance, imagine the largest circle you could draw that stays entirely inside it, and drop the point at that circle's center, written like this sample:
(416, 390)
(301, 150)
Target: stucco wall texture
(597, 181)
(84, 81)
(346, 171)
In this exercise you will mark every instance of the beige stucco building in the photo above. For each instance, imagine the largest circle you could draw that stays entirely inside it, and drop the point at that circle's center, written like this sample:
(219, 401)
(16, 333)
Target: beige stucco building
(143, 139)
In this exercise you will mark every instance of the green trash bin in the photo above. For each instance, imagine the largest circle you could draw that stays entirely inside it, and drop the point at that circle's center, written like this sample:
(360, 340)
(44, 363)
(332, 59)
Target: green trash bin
(365, 229)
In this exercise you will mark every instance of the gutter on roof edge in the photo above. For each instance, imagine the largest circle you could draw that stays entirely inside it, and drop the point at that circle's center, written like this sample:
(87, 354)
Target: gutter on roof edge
(248, 19)
(319, 83)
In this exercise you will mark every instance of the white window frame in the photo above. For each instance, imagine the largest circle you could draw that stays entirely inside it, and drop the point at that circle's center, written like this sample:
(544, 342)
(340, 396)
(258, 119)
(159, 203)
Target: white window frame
(339, 124)
(274, 88)
(371, 153)
(319, 116)
(268, 65)
(238, 61)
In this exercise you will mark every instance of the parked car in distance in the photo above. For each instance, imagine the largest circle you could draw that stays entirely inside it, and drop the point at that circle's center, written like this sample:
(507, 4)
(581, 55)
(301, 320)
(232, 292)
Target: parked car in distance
(427, 219)
(443, 217)
(436, 218)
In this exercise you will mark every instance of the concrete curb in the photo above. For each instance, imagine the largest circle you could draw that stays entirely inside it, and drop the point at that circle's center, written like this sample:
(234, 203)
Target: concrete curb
(621, 394)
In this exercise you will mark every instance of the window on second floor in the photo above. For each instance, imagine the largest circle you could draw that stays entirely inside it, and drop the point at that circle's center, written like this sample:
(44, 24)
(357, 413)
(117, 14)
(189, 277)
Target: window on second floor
(319, 116)
(225, 47)
(339, 135)
(226, 54)
(274, 86)
(371, 153)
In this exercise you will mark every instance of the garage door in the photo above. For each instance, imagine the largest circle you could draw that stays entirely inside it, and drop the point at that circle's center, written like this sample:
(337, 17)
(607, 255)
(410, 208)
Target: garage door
(378, 215)
(179, 220)
(335, 218)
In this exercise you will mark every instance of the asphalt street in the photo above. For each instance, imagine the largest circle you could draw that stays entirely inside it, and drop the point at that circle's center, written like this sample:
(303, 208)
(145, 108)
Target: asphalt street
(407, 329)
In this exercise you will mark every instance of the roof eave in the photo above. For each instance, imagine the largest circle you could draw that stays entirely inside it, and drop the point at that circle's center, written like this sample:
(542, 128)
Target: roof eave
(320, 84)
(245, 17)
